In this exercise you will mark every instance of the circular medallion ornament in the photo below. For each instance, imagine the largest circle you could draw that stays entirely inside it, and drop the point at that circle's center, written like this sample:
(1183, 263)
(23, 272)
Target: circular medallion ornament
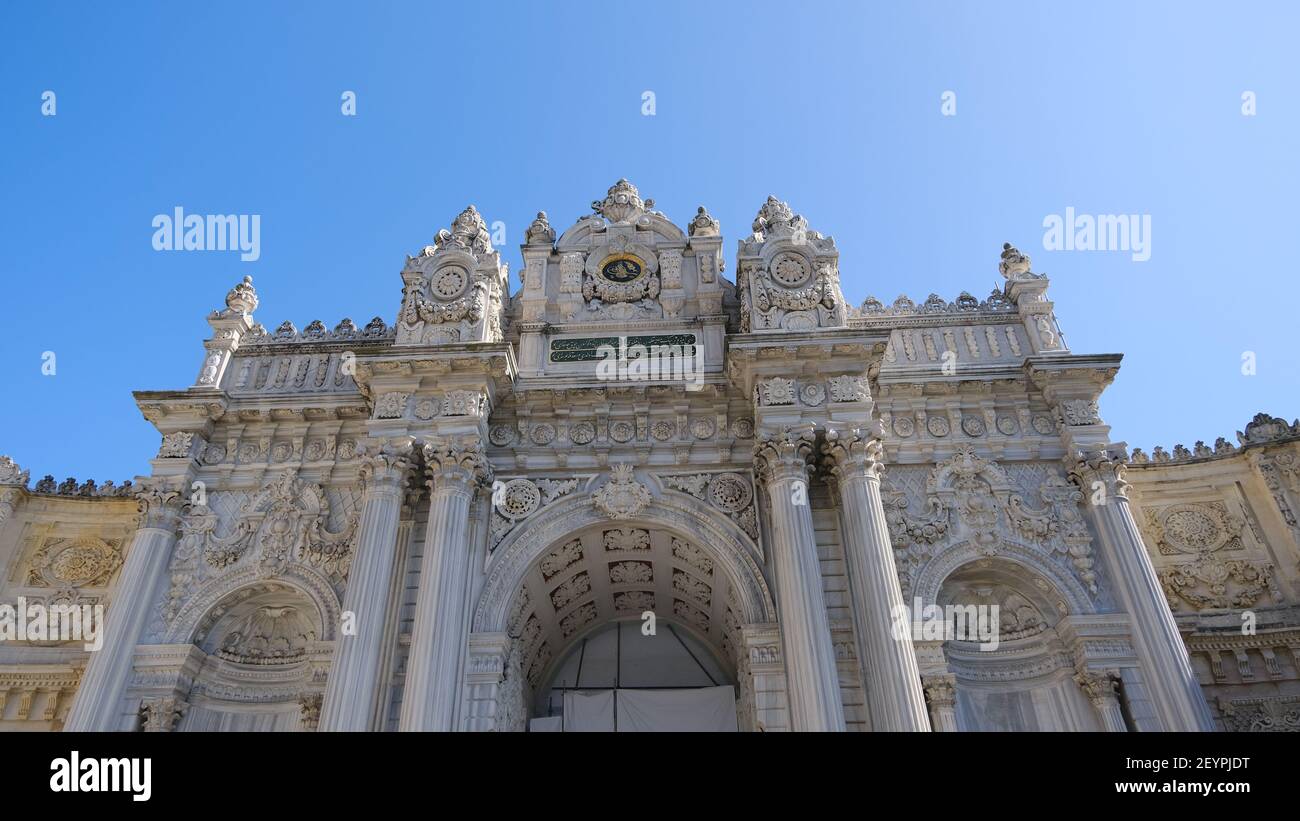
(582, 433)
(904, 426)
(1043, 425)
(82, 563)
(519, 498)
(449, 282)
(622, 269)
(214, 455)
(282, 451)
(973, 426)
(812, 395)
(938, 426)
(542, 434)
(1193, 529)
(799, 321)
(315, 450)
(790, 270)
(426, 409)
(663, 430)
(743, 428)
(729, 492)
(1007, 426)
(702, 428)
(501, 435)
(622, 431)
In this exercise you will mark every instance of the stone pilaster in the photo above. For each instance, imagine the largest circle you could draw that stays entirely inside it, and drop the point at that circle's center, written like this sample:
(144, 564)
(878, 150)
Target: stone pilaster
(941, 695)
(894, 695)
(98, 703)
(1100, 475)
(439, 635)
(356, 676)
(814, 691)
(310, 706)
(1102, 689)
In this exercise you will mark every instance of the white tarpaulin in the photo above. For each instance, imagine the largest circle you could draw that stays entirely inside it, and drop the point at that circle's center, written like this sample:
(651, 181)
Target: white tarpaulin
(698, 710)
(693, 710)
(546, 724)
(589, 711)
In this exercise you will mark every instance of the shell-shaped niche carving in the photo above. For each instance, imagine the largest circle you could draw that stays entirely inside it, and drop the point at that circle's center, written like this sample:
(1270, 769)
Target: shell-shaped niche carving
(266, 625)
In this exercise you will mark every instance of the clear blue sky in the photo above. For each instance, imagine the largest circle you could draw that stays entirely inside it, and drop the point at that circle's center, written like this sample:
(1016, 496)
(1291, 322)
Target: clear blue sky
(235, 108)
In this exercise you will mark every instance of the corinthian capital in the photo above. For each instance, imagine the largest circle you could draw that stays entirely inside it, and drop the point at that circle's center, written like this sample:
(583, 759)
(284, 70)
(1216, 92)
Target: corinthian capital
(388, 463)
(854, 451)
(449, 462)
(784, 454)
(940, 691)
(1105, 465)
(159, 502)
(1098, 685)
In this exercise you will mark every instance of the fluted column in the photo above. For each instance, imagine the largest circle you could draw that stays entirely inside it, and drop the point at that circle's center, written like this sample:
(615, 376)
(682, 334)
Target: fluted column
(1100, 475)
(814, 688)
(439, 635)
(1100, 686)
(98, 703)
(355, 677)
(941, 695)
(894, 695)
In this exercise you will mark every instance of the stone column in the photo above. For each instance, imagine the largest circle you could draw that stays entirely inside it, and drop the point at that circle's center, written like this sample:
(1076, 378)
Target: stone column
(1101, 688)
(439, 634)
(98, 703)
(814, 691)
(941, 694)
(1100, 475)
(355, 676)
(894, 694)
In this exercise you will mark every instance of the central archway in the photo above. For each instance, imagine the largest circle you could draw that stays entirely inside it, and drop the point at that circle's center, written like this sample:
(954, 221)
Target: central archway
(571, 571)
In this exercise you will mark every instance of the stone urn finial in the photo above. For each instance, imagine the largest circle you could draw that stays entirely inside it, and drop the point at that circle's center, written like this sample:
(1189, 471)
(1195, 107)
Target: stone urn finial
(1014, 265)
(242, 299)
(704, 225)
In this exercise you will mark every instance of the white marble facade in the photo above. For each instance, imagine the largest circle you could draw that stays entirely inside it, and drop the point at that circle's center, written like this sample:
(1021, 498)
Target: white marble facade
(410, 526)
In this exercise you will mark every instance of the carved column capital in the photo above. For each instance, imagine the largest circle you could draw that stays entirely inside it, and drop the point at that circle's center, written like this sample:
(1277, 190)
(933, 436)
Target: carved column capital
(940, 691)
(161, 715)
(159, 502)
(784, 454)
(388, 464)
(1106, 464)
(452, 464)
(854, 451)
(1100, 686)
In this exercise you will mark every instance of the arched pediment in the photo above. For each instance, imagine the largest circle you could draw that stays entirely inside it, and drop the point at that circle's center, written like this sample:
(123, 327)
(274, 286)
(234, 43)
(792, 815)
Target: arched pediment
(1064, 587)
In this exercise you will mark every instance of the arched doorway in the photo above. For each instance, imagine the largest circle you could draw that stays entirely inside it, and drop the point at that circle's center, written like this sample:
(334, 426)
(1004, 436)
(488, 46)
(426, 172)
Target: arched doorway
(574, 576)
(621, 677)
(595, 591)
